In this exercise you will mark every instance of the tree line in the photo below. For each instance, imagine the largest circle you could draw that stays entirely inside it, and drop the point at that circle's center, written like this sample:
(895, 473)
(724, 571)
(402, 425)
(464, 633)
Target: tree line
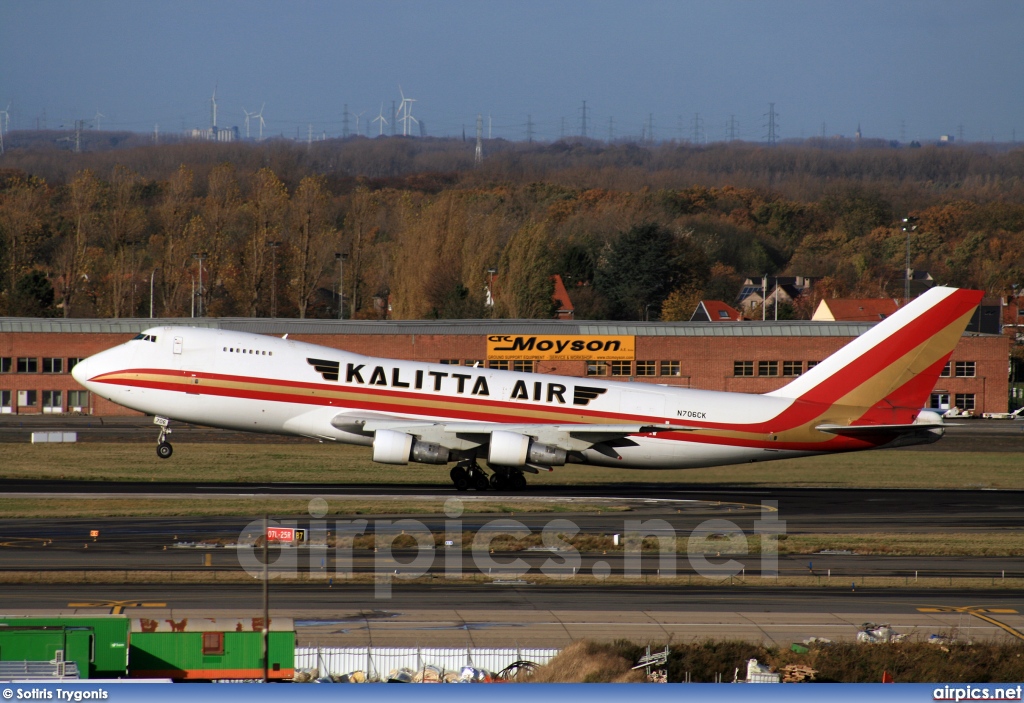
(635, 232)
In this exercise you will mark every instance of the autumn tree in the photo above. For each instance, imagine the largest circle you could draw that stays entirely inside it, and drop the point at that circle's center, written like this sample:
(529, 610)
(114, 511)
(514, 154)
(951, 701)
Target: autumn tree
(23, 217)
(524, 274)
(81, 210)
(124, 228)
(174, 247)
(267, 204)
(311, 241)
(221, 212)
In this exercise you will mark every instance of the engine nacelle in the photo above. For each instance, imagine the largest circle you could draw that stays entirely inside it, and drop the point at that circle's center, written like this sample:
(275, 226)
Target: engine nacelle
(514, 449)
(391, 447)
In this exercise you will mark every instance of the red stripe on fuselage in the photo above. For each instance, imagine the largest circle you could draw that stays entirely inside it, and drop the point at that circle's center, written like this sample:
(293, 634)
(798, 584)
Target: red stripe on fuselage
(380, 399)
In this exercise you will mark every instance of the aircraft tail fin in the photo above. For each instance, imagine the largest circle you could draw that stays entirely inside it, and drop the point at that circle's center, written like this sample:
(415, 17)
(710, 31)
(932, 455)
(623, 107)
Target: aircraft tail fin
(890, 370)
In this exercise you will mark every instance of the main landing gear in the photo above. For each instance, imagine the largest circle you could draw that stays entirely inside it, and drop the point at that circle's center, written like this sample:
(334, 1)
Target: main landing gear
(163, 447)
(468, 474)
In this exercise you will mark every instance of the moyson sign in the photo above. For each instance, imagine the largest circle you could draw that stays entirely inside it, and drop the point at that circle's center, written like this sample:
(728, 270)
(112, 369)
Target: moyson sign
(553, 347)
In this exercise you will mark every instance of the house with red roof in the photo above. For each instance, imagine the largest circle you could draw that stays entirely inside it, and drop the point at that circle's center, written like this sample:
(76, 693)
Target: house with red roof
(855, 309)
(715, 311)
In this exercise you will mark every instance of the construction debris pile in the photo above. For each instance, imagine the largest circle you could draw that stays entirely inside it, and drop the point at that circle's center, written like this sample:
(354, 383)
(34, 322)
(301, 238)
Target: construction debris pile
(870, 633)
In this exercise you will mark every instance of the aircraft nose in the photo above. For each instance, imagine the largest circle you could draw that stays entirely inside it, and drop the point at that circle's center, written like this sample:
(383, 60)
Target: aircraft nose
(84, 370)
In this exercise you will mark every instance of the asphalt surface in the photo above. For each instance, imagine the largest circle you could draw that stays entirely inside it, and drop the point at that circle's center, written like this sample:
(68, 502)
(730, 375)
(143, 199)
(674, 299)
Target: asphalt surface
(298, 598)
(173, 545)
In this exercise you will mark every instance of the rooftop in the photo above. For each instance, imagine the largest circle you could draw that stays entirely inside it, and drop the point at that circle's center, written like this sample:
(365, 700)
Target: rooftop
(280, 326)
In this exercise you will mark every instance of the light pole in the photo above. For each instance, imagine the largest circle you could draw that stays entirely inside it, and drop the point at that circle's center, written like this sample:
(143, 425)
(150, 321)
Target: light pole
(152, 275)
(273, 277)
(200, 257)
(341, 283)
(490, 285)
(909, 225)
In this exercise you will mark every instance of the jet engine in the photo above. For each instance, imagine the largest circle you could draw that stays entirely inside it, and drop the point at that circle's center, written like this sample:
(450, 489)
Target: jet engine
(391, 447)
(513, 449)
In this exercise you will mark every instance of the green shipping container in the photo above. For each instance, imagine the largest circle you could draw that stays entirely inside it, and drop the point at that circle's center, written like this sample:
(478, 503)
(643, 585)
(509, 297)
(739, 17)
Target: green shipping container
(206, 649)
(98, 645)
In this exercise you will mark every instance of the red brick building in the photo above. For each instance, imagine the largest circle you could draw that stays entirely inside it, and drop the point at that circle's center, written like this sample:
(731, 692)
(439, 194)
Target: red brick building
(36, 355)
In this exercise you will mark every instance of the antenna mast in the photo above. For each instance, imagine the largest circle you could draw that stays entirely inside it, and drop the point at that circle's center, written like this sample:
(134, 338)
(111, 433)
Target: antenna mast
(529, 129)
(344, 120)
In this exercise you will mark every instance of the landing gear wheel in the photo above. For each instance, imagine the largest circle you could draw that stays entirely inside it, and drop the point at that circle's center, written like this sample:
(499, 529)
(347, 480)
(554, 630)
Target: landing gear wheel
(517, 482)
(460, 478)
(164, 450)
(498, 482)
(478, 479)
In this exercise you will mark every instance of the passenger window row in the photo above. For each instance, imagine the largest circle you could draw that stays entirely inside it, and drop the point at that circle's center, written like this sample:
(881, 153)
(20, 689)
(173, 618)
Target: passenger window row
(257, 352)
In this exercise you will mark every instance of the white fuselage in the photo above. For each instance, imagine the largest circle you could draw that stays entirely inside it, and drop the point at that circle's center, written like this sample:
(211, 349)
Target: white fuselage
(256, 383)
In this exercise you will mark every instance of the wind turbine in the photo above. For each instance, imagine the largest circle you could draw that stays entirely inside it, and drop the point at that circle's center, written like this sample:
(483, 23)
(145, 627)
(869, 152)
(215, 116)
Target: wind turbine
(247, 116)
(6, 118)
(357, 120)
(213, 103)
(379, 118)
(97, 118)
(406, 111)
(259, 116)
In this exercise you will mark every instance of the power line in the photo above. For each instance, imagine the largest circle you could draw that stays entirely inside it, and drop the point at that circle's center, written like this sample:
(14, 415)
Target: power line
(772, 124)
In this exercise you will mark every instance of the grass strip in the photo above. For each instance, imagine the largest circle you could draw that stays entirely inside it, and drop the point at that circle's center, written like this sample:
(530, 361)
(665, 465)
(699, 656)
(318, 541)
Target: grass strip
(344, 464)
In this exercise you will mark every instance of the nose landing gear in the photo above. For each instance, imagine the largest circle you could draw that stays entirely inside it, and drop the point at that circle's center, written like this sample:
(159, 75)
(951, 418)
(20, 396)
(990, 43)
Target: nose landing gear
(163, 447)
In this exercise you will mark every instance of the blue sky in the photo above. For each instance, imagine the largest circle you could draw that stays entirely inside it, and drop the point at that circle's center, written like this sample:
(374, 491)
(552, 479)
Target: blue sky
(931, 65)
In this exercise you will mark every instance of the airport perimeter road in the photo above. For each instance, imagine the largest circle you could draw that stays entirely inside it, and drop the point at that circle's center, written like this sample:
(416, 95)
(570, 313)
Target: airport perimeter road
(548, 616)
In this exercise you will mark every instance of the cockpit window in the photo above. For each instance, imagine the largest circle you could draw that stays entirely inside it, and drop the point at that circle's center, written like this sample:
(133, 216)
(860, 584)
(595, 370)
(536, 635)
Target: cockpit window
(144, 337)
(138, 336)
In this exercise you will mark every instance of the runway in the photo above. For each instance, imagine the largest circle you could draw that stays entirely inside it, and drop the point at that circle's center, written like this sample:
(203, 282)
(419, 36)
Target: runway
(505, 610)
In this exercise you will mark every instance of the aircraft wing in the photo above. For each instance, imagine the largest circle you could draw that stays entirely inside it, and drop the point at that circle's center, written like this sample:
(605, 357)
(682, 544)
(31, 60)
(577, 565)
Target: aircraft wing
(571, 437)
